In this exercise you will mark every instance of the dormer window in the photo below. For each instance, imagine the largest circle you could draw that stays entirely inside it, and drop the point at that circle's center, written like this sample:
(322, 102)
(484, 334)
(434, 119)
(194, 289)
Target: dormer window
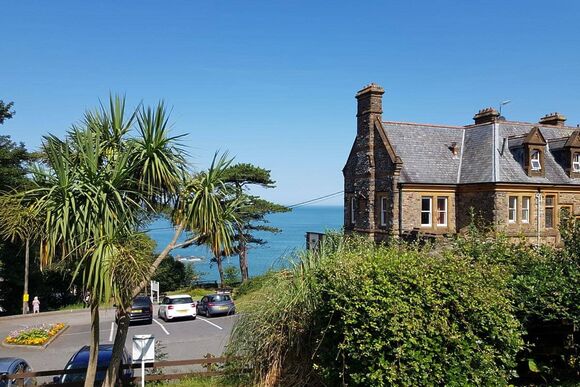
(535, 160)
(576, 162)
(534, 153)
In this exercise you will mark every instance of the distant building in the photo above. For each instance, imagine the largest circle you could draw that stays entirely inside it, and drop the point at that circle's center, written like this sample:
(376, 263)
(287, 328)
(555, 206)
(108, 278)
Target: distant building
(406, 178)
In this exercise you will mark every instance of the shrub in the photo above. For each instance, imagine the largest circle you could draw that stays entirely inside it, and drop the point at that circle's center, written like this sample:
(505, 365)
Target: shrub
(371, 315)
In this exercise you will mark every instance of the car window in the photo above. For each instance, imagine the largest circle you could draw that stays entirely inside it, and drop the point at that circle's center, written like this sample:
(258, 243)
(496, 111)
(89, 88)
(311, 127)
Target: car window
(141, 301)
(221, 297)
(182, 300)
(204, 299)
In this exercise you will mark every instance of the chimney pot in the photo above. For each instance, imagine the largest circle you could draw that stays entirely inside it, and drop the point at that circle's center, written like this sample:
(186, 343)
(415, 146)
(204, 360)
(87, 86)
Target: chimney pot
(555, 119)
(486, 115)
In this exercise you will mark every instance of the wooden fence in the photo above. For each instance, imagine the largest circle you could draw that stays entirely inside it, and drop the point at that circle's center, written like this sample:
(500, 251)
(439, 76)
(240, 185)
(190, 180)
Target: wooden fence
(209, 363)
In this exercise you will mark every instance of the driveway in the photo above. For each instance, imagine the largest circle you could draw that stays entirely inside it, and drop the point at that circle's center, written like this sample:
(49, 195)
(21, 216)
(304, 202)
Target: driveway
(186, 339)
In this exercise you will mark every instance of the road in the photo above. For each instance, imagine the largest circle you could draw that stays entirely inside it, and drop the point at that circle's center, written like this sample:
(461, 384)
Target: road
(186, 339)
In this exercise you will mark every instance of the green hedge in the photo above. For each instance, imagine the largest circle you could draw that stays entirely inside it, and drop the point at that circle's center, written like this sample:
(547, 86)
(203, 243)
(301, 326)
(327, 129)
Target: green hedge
(366, 315)
(391, 316)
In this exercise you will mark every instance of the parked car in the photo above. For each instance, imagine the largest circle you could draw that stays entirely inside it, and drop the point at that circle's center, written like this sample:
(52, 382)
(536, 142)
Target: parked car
(14, 365)
(213, 304)
(141, 310)
(177, 306)
(81, 360)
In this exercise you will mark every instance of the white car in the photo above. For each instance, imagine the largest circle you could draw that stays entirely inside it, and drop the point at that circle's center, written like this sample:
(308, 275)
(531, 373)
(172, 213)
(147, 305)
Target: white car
(177, 306)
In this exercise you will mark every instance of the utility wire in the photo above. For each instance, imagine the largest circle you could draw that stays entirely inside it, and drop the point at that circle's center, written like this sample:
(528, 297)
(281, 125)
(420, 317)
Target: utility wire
(316, 199)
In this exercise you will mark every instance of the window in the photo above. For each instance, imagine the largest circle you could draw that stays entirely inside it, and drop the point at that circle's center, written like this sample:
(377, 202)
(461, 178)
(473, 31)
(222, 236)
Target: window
(426, 211)
(549, 211)
(535, 160)
(526, 209)
(576, 162)
(383, 211)
(352, 210)
(441, 211)
(513, 209)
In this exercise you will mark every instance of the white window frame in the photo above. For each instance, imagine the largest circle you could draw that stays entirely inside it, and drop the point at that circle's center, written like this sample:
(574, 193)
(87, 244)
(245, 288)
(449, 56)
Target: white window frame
(352, 210)
(512, 210)
(526, 209)
(576, 162)
(383, 210)
(429, 211)
(444, 198)
(535, 160)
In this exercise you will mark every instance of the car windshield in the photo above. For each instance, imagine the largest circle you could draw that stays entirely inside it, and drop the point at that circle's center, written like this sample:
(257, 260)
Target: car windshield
(80, 377)
(180, 300)
(141, 301)
(221, 297)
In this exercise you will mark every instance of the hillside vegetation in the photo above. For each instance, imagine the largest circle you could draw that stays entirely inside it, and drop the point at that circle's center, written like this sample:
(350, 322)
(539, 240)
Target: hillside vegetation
(459, 312)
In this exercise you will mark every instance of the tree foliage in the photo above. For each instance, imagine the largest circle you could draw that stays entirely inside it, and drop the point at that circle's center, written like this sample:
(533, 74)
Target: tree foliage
(172, 275)
(375, 315)
(6, 111)
(253, 210)
(13, 160)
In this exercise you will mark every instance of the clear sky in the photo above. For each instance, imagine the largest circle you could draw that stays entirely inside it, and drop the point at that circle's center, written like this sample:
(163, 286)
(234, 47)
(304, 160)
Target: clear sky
(273, 82)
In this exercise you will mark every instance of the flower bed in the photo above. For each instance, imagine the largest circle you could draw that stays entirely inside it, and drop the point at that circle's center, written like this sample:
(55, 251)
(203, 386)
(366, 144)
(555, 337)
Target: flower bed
(34, 335)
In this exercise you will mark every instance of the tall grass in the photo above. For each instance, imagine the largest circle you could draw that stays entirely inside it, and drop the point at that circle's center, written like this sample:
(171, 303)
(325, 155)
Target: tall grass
(273, 340)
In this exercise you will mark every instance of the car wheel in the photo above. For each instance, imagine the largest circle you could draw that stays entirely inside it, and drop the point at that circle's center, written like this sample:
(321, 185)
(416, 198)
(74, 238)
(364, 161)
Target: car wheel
(193, 317)
(150, 321)
(207, 314)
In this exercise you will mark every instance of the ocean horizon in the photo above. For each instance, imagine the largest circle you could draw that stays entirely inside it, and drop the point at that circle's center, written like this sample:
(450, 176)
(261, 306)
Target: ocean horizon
(274, 254)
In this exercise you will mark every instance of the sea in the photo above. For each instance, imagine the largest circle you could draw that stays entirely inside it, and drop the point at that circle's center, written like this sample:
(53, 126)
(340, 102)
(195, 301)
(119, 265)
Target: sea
(279, 249)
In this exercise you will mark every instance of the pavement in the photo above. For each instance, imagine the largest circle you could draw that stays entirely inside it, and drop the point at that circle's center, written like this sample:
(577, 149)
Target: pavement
(180, 339)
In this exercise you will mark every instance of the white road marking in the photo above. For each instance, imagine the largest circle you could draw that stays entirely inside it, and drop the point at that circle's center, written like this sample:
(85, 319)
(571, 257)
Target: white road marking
(161, 325)
(112, 331)
(209, 322)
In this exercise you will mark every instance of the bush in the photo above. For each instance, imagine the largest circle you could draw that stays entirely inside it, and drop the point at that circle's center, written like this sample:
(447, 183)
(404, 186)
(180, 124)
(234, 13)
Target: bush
(371, 315)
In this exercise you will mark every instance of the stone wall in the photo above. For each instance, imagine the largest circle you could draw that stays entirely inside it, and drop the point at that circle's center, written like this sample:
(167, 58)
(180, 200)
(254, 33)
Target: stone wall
(411, 211)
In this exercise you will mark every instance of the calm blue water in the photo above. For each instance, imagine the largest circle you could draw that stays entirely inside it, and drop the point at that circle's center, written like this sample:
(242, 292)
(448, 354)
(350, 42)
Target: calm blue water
(294, 226)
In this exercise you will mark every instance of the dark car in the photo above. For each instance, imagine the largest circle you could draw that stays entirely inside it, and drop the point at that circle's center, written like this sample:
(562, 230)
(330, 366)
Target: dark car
(81, 360)
(13, 365)
(141, 310)
(213, 304)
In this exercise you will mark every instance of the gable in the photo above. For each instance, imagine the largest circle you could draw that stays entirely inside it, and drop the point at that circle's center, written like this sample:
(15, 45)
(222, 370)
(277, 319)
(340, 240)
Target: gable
(535, 137)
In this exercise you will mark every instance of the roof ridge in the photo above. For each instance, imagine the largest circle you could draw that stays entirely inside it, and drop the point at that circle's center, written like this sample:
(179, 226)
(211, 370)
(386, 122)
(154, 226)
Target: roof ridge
(420, 124)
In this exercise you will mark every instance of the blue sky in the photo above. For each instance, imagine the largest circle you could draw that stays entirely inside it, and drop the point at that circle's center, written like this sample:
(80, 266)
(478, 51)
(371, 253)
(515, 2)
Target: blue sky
(273, 82)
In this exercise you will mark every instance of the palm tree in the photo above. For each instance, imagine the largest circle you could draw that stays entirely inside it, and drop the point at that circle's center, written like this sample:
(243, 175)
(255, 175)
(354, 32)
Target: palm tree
(97, 188)
(19, 222)
(211, 211)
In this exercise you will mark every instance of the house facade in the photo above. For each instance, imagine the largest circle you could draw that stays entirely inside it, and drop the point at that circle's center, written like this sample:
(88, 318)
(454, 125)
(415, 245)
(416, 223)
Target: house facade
(407, 178)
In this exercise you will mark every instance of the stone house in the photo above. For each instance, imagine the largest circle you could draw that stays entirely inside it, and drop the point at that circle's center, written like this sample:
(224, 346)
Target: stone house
(406, 178)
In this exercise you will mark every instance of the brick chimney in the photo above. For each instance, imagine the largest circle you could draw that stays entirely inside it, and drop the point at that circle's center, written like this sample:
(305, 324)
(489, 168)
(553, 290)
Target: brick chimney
(555, 119)
(370, 105)
(485, 116)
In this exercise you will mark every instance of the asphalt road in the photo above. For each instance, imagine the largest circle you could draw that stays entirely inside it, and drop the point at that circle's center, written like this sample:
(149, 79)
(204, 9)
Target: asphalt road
(185, 339)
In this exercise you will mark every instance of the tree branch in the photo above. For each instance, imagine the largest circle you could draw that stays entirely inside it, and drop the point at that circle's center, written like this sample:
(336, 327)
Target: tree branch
(172, 245)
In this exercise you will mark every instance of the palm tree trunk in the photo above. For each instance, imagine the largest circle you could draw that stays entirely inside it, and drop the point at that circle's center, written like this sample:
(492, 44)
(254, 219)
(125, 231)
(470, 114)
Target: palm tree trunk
(220, 269)
(94, 350)
(243, 261)
(119, 344)
(26, 264)
(124, 318)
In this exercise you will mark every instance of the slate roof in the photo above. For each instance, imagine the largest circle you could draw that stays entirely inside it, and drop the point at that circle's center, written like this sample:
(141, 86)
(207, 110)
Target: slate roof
(483, 157)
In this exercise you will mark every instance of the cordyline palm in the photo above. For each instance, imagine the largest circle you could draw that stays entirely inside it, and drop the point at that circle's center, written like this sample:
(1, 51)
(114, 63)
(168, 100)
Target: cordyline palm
(96, 190)
(209, 210)
(19, 222)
